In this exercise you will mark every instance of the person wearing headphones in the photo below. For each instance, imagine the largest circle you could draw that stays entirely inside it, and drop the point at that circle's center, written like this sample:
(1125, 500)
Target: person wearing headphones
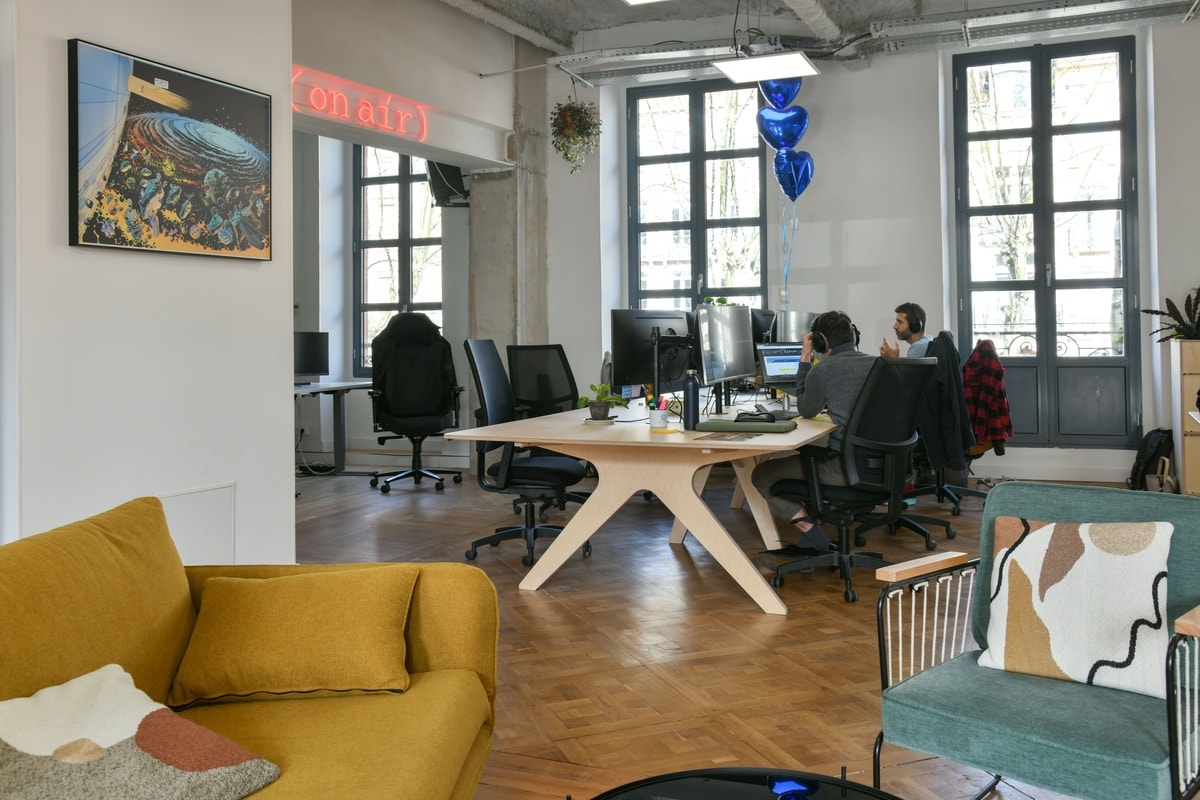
(909, 327)
(832, 385)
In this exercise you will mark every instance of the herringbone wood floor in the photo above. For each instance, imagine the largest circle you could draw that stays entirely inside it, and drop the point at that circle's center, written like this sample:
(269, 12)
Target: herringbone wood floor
(647, 658)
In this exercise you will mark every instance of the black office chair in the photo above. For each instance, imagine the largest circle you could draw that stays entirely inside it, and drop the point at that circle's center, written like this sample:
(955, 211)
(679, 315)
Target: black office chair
(533, 479)
(876, 454)
(414, 393)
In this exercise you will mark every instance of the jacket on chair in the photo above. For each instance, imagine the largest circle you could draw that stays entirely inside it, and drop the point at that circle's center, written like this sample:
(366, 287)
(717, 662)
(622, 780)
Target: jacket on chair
(943, 421)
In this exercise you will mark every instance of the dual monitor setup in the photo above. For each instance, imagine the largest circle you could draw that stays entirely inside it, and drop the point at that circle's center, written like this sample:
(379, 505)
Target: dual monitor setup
(724, 344)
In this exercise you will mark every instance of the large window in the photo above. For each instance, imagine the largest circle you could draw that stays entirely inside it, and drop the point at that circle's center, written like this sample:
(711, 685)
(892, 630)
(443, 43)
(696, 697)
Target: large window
(1046, 173)
(696, 196)
(397, 245)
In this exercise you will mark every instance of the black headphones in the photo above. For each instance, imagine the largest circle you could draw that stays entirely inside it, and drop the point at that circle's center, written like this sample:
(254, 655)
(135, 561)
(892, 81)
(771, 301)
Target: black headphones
(820, 343)
(916, 325)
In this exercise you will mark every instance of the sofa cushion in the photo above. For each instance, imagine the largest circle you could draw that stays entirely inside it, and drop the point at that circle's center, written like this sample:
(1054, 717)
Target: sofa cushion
(1054, 734)
(98, 736)
(1081, 601)
(410, 746)
(110, 589)
(249, 643)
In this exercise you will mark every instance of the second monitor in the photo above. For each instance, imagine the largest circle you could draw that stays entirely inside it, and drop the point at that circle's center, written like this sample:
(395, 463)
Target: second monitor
(725, 343)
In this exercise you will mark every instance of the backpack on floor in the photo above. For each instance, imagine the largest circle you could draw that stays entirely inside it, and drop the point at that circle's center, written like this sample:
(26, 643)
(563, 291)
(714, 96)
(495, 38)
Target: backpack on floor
(1155, 444)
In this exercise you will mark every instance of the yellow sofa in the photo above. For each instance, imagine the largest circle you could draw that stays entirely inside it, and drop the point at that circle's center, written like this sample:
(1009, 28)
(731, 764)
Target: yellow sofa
(112, 589)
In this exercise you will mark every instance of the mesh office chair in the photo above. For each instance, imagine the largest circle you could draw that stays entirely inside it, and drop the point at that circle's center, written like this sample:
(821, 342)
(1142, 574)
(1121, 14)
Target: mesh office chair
(533, 479)
(414, 393)
(876, 456)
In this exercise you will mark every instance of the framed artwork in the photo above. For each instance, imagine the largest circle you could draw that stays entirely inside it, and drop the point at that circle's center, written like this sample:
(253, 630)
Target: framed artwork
(166, 160)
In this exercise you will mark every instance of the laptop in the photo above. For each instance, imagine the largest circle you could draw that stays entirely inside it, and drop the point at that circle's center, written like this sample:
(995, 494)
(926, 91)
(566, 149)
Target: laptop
(779, 364)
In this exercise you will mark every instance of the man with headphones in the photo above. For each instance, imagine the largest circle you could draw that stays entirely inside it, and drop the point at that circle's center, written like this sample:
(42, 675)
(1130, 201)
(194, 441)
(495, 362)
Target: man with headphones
(909, 327)
(832, 384)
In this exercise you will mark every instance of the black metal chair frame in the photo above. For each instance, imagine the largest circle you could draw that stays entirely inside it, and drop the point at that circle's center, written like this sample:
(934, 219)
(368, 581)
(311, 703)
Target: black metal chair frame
(417, 470)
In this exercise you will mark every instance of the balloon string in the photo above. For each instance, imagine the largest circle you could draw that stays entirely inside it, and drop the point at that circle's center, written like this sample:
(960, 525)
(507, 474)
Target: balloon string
(787, 240)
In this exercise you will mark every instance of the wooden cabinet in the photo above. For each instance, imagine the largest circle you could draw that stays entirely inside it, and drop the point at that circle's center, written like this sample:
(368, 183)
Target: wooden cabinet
(1185, 382)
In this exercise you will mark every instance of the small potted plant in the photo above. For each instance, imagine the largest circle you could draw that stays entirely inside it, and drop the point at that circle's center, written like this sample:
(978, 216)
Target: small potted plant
(1177, 325)
(602, 404)
(575, 131)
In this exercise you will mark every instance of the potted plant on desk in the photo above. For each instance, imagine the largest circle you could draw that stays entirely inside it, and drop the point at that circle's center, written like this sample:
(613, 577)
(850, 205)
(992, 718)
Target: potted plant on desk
(602, 404)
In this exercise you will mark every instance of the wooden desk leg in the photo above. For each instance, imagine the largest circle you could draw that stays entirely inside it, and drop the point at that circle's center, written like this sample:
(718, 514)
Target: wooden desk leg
(699, 481)
(763, 518)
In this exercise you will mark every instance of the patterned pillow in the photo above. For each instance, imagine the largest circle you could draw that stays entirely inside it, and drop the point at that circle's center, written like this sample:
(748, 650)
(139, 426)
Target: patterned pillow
(98, 737)
(1081, 602)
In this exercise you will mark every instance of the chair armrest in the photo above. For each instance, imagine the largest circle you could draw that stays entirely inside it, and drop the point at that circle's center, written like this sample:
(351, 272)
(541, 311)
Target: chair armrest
(1188, 624)
(927, 565)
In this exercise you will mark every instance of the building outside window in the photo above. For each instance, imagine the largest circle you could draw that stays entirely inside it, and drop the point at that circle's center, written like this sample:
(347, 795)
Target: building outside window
(397, 245)
(697, 195)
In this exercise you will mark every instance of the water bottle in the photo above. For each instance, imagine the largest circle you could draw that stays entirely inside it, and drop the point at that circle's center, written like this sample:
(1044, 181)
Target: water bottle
(691, 401)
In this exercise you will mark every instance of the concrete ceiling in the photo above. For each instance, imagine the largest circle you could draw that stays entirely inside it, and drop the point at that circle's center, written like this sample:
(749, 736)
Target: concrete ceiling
(832, 30)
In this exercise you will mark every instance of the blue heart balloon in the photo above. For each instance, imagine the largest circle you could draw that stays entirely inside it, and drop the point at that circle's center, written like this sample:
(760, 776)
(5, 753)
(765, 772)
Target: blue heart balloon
(780, 92)
(782, 128)
(794, 169)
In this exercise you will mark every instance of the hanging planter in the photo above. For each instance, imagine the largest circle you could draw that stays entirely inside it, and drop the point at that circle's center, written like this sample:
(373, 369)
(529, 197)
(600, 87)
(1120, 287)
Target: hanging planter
(575, 131)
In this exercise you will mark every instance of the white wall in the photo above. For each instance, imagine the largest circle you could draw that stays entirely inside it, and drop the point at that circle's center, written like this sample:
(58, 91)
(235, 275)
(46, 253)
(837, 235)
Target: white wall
(140, 373)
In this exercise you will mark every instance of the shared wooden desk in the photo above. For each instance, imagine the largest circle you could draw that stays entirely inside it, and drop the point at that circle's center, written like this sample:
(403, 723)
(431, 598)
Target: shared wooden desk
(629, 458)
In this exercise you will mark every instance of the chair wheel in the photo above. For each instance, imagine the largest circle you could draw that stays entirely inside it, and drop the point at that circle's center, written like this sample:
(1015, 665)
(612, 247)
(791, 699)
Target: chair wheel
(543, 518)
(527, 560)
(374, 482)
(777, 580)
(458, 478)
(951, 533)
(859, 540)
(954, 512)
(471, 554)
(385, 488)
(439, 485)
(516, 508)
(930, 544)
(851, 596)
(647, 495)
(587, 549)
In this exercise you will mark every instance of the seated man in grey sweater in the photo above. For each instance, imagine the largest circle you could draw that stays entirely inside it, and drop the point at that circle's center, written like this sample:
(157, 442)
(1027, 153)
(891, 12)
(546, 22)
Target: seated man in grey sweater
(831, 375)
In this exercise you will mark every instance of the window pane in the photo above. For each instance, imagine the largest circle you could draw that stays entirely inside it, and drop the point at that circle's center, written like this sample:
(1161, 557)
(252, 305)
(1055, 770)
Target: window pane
(665, 261)
(1091, 322)
(998, 97)
(664, 193)
(669, 303)
(417, 166)
(1087, 166)
(663, 125)
(378, 163)
(381, 211)
(730, 119)
(1007, 318)
(1002, 247)
(1087, 244)
(426, 220)
(373, 323)
(381, 275)
(1000, 172)
(1085, 89)
(427, 274)
(733, 188)
(733, 258)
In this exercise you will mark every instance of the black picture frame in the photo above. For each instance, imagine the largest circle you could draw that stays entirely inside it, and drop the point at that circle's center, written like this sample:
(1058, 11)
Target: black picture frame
(165, 160)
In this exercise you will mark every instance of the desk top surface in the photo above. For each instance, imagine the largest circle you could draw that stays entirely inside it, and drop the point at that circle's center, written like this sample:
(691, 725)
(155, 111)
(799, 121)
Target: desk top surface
(632, 428)
(325, 387)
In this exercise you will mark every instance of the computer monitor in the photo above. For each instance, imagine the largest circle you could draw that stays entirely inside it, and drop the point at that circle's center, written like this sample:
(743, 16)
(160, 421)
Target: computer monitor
(447, 186)
(779, 363)
(762, 323)
(633, 354)
(310, 355)
(791, 326)
(724, 340)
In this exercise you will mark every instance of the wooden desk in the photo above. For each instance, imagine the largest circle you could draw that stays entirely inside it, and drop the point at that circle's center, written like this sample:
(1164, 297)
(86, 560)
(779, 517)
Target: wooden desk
(629, 458)
(338, 390)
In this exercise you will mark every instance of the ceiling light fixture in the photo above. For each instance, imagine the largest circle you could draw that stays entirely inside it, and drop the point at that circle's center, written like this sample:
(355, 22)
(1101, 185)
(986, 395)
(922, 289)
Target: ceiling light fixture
(641, 2)
(791, 64)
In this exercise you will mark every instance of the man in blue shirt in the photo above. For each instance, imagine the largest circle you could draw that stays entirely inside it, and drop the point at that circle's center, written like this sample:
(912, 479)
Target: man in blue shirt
(908, 327)
(831, 384)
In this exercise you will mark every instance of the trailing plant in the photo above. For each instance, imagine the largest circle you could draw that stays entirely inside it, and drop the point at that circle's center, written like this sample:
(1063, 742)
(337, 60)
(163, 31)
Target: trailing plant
(1179, 325)
(575, 131)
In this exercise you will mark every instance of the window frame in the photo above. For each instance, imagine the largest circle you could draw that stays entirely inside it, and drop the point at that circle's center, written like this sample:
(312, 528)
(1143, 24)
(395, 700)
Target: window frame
(698, 226)
(405, 243)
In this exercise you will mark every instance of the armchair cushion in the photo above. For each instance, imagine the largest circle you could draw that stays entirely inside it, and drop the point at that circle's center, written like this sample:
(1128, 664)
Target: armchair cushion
(309, 634)
(1081, 602)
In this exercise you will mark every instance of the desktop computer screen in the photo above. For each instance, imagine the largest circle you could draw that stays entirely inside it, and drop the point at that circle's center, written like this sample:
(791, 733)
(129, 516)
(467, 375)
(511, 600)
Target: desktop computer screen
(762, 323)
(724, 340)
(780, 363)
(633, 355)
(310, 355)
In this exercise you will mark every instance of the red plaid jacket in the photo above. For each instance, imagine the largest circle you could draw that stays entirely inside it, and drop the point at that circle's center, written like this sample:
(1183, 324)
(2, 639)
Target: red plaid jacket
(987, 402)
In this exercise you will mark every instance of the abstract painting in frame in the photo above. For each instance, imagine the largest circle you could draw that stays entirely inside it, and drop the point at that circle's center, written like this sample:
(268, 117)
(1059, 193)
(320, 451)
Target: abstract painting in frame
(166, 160)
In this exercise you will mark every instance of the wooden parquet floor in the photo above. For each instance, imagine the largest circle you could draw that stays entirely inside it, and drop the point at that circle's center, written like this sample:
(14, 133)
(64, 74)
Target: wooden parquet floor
(646, 657)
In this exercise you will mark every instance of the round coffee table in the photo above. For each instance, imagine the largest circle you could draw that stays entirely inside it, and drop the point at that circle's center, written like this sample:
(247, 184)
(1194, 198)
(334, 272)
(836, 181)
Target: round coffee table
(744, 783)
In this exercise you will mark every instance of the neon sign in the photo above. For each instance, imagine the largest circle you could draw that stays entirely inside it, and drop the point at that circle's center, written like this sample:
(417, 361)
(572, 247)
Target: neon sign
(319, 94)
